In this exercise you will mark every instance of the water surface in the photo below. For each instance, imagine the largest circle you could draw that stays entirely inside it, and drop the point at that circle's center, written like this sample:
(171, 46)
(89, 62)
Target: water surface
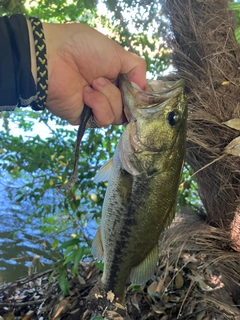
(22, 244)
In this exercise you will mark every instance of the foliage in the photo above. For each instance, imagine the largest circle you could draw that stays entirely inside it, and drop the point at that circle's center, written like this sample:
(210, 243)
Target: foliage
(62, 10)
(188, 191)
(12, 6)
(74, 253)
(141, 28)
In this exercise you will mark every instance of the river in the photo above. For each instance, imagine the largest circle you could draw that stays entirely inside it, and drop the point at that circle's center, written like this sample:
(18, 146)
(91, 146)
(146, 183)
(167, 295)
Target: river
(21, 243)
(24, 247)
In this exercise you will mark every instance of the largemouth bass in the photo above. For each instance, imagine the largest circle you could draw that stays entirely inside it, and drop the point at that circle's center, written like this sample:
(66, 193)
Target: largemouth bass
(143, 178)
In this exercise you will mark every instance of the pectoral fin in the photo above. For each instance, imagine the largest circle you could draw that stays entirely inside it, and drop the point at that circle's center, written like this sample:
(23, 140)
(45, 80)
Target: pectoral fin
(97, 246)
(145, 270)
(105, 172)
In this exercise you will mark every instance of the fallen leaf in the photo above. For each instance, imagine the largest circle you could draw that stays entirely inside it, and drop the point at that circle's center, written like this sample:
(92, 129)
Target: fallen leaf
(165, 298)
(179, 282)
(192, 266)
(164, 317)
(135, 302)
(199, 279)
(152, 289)
(60, 308)
(81, 279)
(9, 316)
(233, 147)
(28, 315)
(225, 83)
(204, 286)
(158, 310)
(233, 123)
(112, 315)
(201, 315)
(110, 296)
(173, 298)
(160, 285)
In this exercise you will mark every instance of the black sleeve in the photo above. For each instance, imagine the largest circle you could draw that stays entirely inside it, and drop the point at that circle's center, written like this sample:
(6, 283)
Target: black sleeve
(17, 87)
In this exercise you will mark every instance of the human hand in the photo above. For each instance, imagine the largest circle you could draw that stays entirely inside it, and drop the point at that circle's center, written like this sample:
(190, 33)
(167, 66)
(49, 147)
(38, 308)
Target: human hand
(80, 57)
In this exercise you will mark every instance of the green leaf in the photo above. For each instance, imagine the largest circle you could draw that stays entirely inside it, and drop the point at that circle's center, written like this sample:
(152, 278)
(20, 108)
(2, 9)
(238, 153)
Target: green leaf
(69, 243)
(133, 288)
(69, 258)
(55, 243)
(74, 271)
(73, 206)
(76, 256)
(79, 253)
(52, 275)
(100, 265)
(237, 34)
(19, 199)
(63, 282)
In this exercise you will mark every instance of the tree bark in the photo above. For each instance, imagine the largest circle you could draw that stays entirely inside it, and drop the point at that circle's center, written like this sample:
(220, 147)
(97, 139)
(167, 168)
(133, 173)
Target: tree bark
(207, 56)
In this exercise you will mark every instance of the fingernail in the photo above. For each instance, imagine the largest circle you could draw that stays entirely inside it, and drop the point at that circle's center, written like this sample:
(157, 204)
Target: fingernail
(88, 89)
(101, 81)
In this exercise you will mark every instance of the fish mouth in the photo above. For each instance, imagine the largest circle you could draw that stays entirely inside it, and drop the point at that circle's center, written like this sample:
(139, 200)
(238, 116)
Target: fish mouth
(129, 93)
(157, 92)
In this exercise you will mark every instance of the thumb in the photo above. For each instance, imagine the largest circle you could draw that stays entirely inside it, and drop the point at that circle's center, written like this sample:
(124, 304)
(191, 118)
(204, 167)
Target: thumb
(135, 68)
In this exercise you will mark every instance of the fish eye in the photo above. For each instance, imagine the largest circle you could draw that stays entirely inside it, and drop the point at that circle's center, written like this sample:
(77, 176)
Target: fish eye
(173, 118)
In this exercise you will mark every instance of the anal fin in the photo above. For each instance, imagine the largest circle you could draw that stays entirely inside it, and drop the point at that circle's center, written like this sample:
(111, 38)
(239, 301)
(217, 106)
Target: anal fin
(145, 270)
(170, 216)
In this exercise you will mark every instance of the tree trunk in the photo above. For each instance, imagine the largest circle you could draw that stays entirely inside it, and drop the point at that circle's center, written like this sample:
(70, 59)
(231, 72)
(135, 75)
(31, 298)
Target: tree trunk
(207, 56)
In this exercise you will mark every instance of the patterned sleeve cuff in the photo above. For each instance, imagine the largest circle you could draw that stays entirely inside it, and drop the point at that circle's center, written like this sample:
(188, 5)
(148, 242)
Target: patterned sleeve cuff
(17, 86)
